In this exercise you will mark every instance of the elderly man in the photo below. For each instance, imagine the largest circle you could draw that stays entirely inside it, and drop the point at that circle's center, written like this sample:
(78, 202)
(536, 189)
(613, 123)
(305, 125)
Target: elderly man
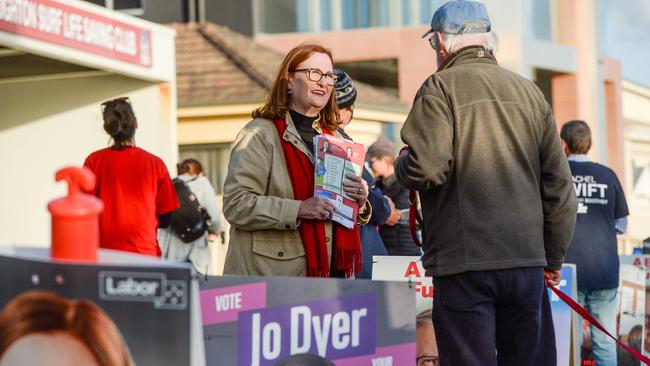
(497, 197)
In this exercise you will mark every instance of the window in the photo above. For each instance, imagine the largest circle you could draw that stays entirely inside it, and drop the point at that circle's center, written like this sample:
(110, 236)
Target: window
(365, 13)
(326, 15)
(640, 181)
(132, 7)
(544, 81)
(213, 157)
(406, 12)
(540, 19)
(380, 13)
(127, 4)
(427, 8)
(381, 74)
(278, 16)
(285, 16)
(302, 15)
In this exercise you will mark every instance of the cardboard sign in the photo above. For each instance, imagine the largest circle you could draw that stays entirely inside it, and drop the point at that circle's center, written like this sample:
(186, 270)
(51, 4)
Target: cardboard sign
(148, 300)
(250, 321)
(633, 308)
(408, 269)
(563, 319)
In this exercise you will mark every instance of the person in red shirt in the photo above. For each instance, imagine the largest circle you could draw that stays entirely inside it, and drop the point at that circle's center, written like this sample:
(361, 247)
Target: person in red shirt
(134, 185)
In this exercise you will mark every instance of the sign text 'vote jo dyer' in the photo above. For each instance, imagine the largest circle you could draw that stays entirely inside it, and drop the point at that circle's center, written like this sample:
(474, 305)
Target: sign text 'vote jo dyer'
(334, 328)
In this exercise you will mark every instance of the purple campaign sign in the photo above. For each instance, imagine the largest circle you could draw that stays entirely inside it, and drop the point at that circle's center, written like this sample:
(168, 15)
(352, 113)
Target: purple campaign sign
(395, 355)
(335, 328)
(223, 305)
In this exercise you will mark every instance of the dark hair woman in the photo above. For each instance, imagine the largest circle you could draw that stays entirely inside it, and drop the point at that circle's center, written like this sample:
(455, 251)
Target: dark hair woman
(278, 226)
(134, 185)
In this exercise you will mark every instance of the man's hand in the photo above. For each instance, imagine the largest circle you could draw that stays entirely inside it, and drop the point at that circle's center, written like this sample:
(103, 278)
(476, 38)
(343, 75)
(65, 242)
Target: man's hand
(552, 277)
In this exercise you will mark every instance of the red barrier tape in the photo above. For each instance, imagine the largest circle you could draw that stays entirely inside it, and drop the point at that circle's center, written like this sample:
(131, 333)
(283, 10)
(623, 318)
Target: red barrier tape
(583, 313)
(414, 215)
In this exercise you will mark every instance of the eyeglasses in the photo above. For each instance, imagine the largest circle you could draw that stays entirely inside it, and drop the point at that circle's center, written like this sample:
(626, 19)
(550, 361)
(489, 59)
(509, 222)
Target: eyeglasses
(120, 99)
(316, 76)
(428, 361)
(433, 41)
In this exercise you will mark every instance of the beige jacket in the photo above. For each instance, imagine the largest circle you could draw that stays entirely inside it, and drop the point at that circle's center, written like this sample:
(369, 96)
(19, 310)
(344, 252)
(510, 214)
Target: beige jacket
(258, 202)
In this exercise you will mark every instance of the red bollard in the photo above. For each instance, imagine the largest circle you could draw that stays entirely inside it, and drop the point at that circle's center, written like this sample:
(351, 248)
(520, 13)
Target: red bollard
(75, 218)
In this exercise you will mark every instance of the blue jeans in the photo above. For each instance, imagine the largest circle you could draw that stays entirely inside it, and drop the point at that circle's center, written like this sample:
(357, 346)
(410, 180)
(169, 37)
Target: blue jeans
(602, 305)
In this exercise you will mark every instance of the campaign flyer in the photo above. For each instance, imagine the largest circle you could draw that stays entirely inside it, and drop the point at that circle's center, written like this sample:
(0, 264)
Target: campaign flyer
(335, 158)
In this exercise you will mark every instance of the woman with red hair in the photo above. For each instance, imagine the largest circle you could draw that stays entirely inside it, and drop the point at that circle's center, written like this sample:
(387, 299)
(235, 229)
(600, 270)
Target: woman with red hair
(278, 226)
(41, 328)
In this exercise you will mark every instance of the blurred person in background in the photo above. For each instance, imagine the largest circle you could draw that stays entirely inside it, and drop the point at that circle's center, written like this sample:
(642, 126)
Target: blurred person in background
(602, 213)
(197, 251)
(134, 185)
(371, 243)
(634, 339)
(278, 226)
(395, 231)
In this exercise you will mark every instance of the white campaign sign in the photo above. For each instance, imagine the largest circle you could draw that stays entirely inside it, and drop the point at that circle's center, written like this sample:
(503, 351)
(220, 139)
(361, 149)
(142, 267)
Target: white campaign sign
(405, 269)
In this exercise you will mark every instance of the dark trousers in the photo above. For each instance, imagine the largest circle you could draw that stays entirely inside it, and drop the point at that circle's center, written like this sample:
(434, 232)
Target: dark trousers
(498, 317)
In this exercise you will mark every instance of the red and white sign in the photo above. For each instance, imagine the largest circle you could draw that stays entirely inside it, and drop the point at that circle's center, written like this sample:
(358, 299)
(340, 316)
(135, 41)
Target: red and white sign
(64, 25)
(405, 268)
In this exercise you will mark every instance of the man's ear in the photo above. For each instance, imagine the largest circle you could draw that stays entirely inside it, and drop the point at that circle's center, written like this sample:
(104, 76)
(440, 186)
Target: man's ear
(441, 45)
(565, 147)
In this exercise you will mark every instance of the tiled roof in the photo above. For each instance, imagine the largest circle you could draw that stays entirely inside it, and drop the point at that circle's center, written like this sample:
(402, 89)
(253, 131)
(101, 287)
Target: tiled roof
(215, 65)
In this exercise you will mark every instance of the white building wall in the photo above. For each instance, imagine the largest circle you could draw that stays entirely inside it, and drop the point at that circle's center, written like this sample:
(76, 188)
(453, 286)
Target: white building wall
(636, 103)
(50, 124)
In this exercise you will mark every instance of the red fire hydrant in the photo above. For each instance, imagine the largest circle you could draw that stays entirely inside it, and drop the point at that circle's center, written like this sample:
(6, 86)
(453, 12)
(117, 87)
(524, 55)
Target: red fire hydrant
(75, 218)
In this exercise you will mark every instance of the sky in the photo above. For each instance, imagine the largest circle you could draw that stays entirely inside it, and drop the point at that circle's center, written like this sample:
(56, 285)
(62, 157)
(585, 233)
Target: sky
(626, 36)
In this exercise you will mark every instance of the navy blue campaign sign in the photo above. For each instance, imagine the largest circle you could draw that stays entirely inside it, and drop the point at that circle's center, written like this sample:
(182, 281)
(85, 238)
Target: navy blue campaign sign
(149, 300)
(562, 315)
(261, 320)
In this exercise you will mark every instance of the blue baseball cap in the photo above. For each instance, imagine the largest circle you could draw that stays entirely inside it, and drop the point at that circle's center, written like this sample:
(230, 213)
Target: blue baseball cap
(460, 17)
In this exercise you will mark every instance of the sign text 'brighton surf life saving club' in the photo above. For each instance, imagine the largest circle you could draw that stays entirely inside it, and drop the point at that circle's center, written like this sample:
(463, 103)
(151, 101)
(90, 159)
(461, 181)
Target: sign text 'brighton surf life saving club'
(65, 25)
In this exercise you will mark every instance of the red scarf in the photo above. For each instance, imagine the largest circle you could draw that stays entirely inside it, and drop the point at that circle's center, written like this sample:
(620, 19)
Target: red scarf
(346, 245)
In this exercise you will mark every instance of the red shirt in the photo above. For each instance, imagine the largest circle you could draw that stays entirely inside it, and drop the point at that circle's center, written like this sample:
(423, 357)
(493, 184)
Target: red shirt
(135, 187)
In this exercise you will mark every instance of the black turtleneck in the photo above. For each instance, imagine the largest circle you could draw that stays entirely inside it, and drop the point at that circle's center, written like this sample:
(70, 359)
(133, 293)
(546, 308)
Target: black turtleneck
(304, 126)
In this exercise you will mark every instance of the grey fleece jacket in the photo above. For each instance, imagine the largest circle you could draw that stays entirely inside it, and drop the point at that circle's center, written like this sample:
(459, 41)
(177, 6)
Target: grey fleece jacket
(485, 156)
